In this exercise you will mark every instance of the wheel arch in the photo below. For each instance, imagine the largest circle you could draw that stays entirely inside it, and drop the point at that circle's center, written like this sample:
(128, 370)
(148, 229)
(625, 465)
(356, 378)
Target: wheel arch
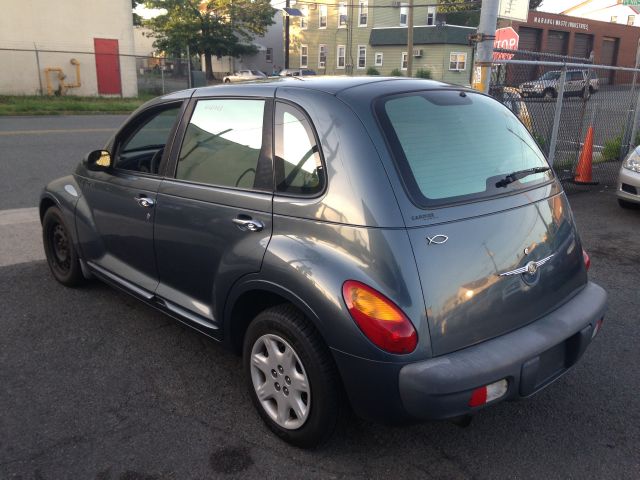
(248, 299)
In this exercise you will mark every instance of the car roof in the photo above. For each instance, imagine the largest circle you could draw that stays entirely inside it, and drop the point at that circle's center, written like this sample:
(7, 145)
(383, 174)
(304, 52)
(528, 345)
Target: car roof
(331, 85)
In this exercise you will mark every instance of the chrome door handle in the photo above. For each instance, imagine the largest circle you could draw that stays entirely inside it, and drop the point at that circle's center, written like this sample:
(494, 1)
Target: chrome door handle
(248, 224)
(145, 202)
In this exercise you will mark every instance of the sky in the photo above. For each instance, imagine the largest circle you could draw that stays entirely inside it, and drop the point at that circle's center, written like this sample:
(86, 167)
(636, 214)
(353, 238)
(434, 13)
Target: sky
(557, 6)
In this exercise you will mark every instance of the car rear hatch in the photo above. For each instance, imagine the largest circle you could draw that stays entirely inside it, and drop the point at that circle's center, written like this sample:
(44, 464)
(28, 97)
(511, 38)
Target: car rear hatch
(494, 252)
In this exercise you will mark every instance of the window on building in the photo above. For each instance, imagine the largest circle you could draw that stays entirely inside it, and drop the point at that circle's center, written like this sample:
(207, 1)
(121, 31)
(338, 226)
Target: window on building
(222, 143)
(322, 16)
(340, 62)
(631, 19)
(378, 59)
(362, 56)
(431, 15)
(304, 10)
(363, 14)
(614, 19)
(269, 55)
(404, 13)
(404, 63)
(342, 15)
(457, 61)
(322, 56)
(304, 56)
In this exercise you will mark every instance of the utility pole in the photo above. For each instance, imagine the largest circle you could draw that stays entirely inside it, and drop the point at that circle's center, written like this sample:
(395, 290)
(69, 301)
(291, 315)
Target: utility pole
(486, 36)
(286, 35)
(410, 40)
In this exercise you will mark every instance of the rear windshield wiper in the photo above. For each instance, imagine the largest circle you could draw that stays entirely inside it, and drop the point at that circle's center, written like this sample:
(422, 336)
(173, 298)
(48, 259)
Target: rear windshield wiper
(515, 176)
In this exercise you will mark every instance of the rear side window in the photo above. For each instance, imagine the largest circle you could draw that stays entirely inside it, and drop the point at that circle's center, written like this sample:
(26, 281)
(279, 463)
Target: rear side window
(451, 146)
(222, 143)
(298, 165)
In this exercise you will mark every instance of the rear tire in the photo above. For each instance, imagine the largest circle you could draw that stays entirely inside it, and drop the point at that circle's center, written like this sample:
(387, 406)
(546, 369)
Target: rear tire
(549, 94)
(300, 399)
(59, 249)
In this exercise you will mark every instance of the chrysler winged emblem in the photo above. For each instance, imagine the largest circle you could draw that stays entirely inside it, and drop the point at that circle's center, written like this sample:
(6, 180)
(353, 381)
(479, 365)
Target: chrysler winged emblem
(531, 268)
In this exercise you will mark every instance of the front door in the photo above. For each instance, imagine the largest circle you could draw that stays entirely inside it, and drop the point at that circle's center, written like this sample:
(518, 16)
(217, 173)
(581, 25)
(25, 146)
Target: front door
(213, 221)
(116, 235)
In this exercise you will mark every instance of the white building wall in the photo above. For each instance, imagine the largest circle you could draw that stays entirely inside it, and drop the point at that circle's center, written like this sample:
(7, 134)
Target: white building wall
(71, 26)
(603, 10)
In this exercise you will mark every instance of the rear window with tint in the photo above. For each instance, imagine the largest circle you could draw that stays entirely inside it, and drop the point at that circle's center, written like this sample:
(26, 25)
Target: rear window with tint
(452, 147)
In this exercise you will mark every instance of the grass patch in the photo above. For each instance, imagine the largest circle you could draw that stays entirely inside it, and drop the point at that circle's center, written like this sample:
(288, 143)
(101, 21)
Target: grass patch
(35, 105)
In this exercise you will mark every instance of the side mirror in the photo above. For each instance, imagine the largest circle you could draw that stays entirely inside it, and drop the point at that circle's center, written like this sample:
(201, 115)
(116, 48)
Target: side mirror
(98, 160)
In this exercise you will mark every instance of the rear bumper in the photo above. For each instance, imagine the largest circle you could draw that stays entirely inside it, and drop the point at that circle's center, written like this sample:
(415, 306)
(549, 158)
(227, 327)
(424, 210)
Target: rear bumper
(530, 358)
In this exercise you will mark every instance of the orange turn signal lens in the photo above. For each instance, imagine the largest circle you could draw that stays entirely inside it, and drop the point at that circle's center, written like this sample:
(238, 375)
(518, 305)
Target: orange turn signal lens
(379, 318)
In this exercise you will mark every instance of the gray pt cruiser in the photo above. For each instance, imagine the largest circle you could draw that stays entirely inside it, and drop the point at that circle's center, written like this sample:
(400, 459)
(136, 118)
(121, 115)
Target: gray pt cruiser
(398, 243)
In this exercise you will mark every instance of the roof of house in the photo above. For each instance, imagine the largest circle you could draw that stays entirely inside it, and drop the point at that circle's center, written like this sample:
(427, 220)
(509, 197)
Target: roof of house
(443, 34)
(568, 11)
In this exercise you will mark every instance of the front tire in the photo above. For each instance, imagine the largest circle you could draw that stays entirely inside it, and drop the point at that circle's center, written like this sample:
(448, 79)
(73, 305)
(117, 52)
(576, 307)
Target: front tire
(292, 379)
(549, 94)
(59, 249)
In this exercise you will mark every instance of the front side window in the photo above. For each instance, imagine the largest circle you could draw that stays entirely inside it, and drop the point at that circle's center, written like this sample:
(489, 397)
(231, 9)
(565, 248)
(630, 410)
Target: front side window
(363, 13)
(362, 56)
(222, 143)
(451, 148)
(342, 15)
(322, 17)
(298, 165)
(340, 57)
(457, 61)
(322, 56)
(304, 55)
(404, 13)
(378, 59)
(141, 150)
(404, 62)
(304, 9)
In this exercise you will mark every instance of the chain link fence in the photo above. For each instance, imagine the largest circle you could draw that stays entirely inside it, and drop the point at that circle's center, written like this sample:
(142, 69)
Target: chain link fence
(70, 72)
(560, 100)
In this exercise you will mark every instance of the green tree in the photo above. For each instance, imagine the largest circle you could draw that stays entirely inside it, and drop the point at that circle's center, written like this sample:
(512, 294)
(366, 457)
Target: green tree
(209, 27)
(137, 19)
(468, 14)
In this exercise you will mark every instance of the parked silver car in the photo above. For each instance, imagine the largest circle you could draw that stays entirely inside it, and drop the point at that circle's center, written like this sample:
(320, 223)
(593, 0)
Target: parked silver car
(244, 75)
(548, 85)
(629, 180)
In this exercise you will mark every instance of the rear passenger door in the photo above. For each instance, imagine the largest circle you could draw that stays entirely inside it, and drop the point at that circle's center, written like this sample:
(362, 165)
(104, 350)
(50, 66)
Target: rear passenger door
(213, 219)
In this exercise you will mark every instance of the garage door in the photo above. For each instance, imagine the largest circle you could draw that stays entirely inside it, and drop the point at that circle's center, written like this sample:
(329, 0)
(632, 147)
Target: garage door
(608, 56)
(583, 45)
(557, 42)
(530, 42)
(529, 39)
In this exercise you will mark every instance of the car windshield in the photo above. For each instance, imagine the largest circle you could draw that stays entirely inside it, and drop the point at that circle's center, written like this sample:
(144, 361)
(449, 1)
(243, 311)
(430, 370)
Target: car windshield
(454, 146)
(550, 76)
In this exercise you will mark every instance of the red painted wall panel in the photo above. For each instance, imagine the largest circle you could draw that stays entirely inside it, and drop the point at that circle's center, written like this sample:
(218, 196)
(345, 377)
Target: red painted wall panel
(107, 66)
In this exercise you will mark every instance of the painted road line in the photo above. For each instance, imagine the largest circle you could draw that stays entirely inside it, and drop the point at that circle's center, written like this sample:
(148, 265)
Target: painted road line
(57, 131)
(20, 236)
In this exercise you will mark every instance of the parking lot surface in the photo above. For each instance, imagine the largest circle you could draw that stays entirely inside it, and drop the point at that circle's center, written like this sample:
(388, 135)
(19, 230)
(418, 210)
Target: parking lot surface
(94, 384)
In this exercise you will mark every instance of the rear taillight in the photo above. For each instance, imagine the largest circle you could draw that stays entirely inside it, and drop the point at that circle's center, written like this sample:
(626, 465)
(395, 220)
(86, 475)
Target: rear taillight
(587, 260)
(488, 393)
(379, 318)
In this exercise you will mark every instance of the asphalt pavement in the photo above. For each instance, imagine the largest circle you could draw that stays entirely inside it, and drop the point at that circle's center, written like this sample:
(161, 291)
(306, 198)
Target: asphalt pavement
(94, 384)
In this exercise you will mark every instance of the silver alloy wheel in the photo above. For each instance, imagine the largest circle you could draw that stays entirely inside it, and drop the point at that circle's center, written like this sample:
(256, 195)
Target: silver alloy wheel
(280, 381)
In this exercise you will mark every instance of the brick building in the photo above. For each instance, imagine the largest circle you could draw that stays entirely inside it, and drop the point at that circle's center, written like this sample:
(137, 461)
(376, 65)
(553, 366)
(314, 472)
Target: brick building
(611, 43)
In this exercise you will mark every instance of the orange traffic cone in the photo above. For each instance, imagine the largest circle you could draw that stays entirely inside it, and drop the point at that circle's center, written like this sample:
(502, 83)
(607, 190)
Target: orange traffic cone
(584, 169)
